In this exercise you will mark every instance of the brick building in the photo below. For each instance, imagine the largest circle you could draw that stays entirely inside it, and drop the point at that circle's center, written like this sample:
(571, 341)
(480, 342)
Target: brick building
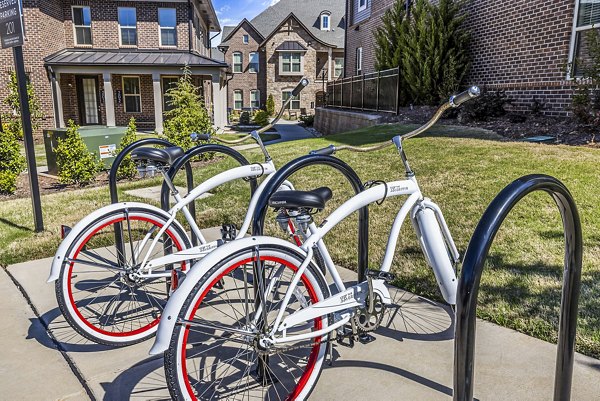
(521, 46)
(103, 62)
(287, 41)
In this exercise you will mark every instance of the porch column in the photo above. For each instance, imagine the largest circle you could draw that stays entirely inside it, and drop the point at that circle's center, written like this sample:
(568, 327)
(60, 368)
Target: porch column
(329, 66)
(219, 94)
(109, 99)
(59, 119)
(158, 102)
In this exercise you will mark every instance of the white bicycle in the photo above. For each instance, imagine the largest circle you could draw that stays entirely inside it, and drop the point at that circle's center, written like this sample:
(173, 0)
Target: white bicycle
(114, 295)
(256, 317)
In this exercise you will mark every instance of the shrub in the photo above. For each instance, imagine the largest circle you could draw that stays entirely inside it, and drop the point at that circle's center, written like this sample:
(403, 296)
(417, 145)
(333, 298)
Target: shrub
(586, 100)
(13, 120)
(245, 118)
(308, 120)
(271, 105)
(489, 104)
(12, 163)
(127, 169)
(261, 118)
(76, 165)
(188, 114)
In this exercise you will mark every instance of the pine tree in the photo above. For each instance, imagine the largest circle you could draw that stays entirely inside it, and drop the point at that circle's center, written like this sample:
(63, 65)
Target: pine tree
(270, 105)
(127, 169)
(13, 120)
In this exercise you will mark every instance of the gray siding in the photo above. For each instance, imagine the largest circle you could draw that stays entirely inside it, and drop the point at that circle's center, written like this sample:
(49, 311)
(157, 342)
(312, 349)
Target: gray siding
(358, 16)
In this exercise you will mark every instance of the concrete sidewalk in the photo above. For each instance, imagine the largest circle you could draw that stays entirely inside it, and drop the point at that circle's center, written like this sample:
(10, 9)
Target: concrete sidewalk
(411, 359)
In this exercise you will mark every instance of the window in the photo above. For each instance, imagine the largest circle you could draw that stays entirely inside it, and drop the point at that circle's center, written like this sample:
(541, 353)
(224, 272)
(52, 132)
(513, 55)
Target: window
(325, 21)
(132, 95)
(128, 26)
(253, 66)
(295, 103)
(168, 83)
(237, 62)
(82, 22)
(238, 100)
(338, 67)
(167, 20)
(255, 99)
(587, 17)
(359, 59)
(362, 5)
(290, 63)
(246, 39)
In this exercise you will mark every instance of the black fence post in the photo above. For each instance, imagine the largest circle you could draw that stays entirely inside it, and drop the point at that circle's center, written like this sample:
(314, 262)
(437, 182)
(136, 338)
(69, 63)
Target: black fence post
(472, 269)
(377, 90)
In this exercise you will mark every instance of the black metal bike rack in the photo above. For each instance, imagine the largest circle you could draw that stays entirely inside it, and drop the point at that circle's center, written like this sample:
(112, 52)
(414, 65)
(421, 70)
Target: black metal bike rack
(165, 194)
(474, 260)
(112, 183)
(311, 160)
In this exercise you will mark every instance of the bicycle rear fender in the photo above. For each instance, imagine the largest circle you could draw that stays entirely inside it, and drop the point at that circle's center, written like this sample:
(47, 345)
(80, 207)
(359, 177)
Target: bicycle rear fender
(60, 255)
(196, 273)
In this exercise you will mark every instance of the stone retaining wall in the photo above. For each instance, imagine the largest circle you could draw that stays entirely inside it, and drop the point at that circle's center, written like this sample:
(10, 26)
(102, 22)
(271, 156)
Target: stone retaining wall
(334, 121)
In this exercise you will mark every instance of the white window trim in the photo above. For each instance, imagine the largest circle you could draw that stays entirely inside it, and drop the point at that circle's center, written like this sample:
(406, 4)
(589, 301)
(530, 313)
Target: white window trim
(233, 62)
(241, 92)
(334, 66)
(81, 26)
(328, 16)
(125, 95)
(291, 73)
(359, 60)
(245, 39)
(250, 62)
(290, 90)
(160, 28)
(162, 86)
(257, 91)
(137, 40)
(363, 7)
(575, 30)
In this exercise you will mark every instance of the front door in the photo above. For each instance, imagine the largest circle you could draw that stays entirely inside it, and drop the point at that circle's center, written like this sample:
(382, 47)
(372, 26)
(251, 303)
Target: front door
(87, 93)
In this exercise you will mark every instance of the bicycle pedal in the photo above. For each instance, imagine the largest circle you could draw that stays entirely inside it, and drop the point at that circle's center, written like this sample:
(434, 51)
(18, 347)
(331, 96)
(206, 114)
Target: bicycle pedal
(228, 232)
(346, 333)
(379, 275)
(365, 338)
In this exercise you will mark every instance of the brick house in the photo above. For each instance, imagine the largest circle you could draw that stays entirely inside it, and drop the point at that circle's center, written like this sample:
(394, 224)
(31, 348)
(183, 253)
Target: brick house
(289, 40)
(520, 46)
(103, 62)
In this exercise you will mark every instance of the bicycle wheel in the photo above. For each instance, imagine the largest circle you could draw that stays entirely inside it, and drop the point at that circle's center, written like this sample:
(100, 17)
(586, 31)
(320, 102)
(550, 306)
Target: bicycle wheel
(100, 291)
(211, 356)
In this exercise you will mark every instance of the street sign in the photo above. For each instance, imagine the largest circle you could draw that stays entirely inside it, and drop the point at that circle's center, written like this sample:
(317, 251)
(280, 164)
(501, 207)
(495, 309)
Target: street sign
(11, 24)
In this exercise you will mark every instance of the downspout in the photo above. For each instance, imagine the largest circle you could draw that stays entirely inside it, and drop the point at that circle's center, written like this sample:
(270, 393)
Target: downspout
(52, 78)
(190, 23)
(348, 16)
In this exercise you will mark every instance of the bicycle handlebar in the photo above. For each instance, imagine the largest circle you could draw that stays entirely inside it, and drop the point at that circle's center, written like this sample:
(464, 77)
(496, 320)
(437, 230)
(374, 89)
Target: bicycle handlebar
(467, 95)
(301, 85)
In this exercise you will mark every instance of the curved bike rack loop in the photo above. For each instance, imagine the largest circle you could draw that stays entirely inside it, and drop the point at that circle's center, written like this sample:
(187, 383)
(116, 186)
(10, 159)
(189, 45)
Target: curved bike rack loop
(165, 195)
(474, 260)
(311, 160)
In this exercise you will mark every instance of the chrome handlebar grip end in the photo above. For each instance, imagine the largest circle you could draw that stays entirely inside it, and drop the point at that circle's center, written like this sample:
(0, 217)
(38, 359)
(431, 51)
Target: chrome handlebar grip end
(301, 85)
(467, 95)
(199, 137)
(328, 151)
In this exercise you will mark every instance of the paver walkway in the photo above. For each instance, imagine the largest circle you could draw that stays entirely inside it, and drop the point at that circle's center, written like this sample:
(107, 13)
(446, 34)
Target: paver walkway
(291, 131)
(411, 359)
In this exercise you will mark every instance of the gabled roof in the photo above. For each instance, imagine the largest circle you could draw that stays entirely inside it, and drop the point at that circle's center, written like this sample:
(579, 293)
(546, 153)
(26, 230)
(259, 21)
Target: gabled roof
(228, 31)
(308, 13)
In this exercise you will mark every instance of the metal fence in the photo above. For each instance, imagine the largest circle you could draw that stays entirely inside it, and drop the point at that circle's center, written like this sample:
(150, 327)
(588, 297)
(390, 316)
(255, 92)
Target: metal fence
(377, 91)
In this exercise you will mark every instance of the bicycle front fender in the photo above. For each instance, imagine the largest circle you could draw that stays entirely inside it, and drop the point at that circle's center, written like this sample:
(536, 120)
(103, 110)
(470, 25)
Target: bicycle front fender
(171, 312)
(75, 232)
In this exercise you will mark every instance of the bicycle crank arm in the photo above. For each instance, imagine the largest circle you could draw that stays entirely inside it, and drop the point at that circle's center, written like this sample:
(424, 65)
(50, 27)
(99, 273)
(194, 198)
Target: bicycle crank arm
(353, 297)
(196, 252)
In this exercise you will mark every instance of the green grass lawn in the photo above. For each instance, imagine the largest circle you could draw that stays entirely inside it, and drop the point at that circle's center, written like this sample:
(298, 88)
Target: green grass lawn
(460, 169)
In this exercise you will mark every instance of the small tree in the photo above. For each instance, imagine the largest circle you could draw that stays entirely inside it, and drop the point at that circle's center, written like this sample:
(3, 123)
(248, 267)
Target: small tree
(12, 162)
(127, 169)
(76, 165)
(270, 105)
(261, 118)
(188, 114)
(586, 100)
(13, 120)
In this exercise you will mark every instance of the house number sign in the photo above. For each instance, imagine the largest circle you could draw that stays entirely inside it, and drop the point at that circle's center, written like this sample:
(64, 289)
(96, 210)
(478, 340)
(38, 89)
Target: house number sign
(11, 23)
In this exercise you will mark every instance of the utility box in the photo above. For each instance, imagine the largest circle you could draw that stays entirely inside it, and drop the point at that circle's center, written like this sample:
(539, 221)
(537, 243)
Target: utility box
(100, 140)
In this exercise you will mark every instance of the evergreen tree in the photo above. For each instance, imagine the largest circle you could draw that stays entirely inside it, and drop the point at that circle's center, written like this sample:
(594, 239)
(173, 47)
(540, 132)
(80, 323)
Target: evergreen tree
(127, 169)
(270, 105)
(13, 120)
(76, 165)
(12, 162)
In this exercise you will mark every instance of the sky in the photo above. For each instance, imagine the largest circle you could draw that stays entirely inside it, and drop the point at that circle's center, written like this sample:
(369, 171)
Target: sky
(231, 12)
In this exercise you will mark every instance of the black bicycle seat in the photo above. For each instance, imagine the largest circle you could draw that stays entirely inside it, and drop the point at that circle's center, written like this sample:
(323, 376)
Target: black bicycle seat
(315, 199)
(163, 156)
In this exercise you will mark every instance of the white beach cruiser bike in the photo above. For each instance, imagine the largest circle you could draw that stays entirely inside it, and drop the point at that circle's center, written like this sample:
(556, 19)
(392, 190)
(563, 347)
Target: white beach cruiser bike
(255, 318)
(115, 297)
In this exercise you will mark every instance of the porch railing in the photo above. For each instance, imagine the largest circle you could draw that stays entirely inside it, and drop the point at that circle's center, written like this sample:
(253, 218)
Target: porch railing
(377, 91)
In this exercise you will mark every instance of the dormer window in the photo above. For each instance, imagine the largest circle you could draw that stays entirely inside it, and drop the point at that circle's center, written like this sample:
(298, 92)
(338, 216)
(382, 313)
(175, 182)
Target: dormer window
(325, 21)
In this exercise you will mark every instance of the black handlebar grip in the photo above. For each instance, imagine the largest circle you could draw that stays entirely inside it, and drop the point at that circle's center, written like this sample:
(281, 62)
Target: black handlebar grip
(200, 137)
(328, 151)
(461, 98)
(301, 85)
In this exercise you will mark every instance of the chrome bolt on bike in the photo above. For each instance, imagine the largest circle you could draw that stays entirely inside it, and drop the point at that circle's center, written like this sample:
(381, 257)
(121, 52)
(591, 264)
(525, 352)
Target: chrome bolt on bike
(256, 317)
(115, 295)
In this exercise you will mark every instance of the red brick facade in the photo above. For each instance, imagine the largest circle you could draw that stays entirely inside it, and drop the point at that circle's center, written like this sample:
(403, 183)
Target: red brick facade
(521, 46)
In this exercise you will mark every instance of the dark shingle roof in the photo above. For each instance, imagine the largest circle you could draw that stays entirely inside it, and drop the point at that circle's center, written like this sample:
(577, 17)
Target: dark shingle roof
(290, 45)
(309, 13)
(84, 57)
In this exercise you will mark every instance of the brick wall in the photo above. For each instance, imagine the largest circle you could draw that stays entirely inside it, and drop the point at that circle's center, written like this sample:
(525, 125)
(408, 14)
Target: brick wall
(146, 117)
(521, 46)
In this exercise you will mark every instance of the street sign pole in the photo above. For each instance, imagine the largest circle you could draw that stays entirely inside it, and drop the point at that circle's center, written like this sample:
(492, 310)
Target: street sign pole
(12, 35)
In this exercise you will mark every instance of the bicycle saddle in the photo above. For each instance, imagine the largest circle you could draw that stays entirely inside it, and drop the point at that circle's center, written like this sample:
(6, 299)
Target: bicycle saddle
(163, 156)
(314, 199)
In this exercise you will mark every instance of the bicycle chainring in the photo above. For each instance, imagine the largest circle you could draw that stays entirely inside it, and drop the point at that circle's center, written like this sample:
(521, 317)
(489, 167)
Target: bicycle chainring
(367, 322)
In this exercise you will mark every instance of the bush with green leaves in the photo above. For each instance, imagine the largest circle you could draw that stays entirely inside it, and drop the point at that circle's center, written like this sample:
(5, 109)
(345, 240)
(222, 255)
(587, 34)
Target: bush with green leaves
(308, 120)
(188, 114)
(489, 104)
(586, 100)
(12, 162)
(76, 165)
(245, 118)
(261, 118)
(127, 169)
(271, 105)
(13, 119)
(429, 45)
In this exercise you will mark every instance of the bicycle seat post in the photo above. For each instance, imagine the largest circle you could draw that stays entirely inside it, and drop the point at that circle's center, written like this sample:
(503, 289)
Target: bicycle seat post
(398, 142)
(164, 170)
(258, 139)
